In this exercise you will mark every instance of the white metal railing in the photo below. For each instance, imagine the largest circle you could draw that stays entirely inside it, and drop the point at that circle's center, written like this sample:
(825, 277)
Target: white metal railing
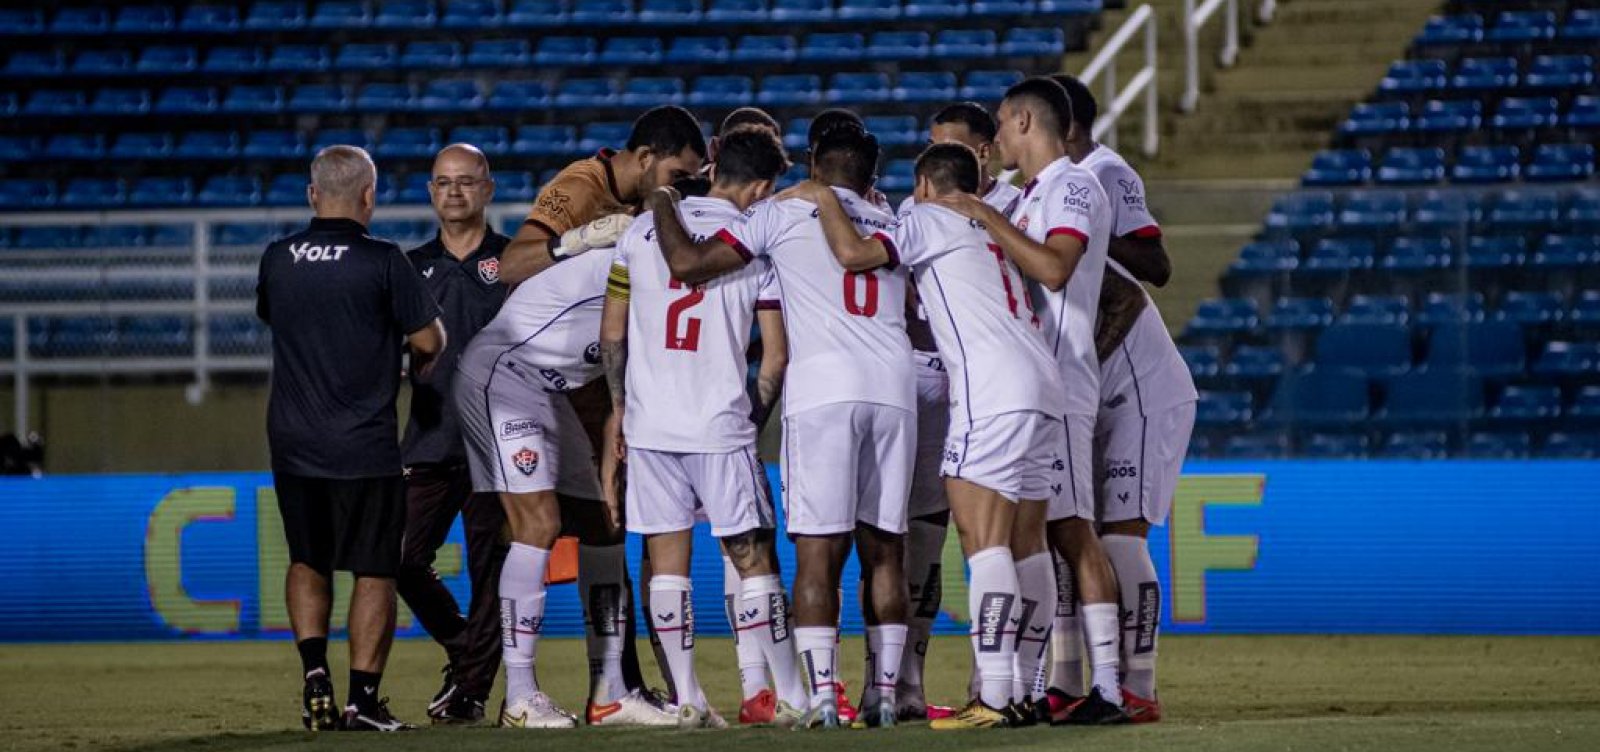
(1194, 19)
(1143, 82)
(200, 267)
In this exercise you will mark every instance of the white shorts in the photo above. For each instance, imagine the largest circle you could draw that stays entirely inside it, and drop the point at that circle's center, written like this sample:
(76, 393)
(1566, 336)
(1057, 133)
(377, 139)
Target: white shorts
(669, 491)
(509, 428)
(1137, 461)
(1077, 495)
(847, 463)
(1015, 454)
(933, 422)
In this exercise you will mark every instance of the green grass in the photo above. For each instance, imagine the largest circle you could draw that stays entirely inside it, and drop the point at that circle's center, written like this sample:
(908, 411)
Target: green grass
(1407, 694)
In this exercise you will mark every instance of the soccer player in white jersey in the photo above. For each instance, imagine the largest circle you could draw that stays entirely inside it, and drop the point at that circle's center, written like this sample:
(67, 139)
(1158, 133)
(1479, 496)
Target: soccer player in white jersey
(849, 415)
(1057, 236)
(1006, 401)
(1147, 406)
(674, 356)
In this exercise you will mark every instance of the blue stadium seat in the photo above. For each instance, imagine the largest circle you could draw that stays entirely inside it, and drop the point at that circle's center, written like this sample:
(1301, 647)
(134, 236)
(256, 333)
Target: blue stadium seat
(1377, 119)
(318, 98)
(1369, 349)
(1485, 74)
(847, 88)
(800, 11)
(161, 191)
(1333, 446)
(1339, 256)
(1492, 349)
(650, 91)
(1571, 446)
(49, 237)
(736, 11)
(210, 19)
(967, 43)
(1223, 408)
(77, 337)
(172, 236)
(207, 145)
(298, 58)
(1422, 445)
(832, 47)
(986, 85)
(1530, 308)
(238, 334)
(1307, 210)
(92, 193)
(1525, 113)
(431, 54)
(1447, 116)
(899, 175)
(276, 15)
(598, 136)
(732, 91)
(285, 190)
(601, 13)
(538, 13)
(892, 130)
(168, 58)
(1485, 445)
(1204, 361)
(925, 87)
(450, 95)
(1300, 314)
(1560, 72)
(405, 14)
(1585, 406)
(1412, 166)
(1561, 162)
(631, 51)
(539, 140)
(385, 97)
(81, 20)
(935, 9)
(1339, 167)
(471, 15)
(997, 7)
(55, 102)
(340, 14)
(1583, 25)
(1414, 77)
(1567, 360)
(120, 102)
(18, 148)
(1376, 309)
(1495, 252)
(868, 10)
(414, 189)
(10, 103)
(1586, 309)
(1034, 42)
(794, 134)
(1444, 211)
(1524, 211)
(512, 96)
(156, 336)
(1486, 164)
(28, 63)
(1417, 255)
(586, 92)
(573, 51)
(1254, 364)
(408, 143)
(253, 99)
(669, 11)
(1318, 397)
(234, 60)
(251, 234)
(1267, 446)
(1432, 396)
(75, 146)
(699, 50)
(1526, 404)
(366, 56)
(1223, 316)
(514, 186)
(1563, 255)
(1069, 7)
(500, 53)
(1267, 257)
(765, 48)
(1369, 211)
(898, 45)
(22, 21)
(1522, 26)
(102, 62)
(340, 136)
(141, 146)
(187, 100)
(790, 90)
(1582, 213)
(274, 145)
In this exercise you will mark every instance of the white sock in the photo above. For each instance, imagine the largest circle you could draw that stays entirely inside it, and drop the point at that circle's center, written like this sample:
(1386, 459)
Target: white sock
(992, 600)
(602, 582)
(522, 616)
(924, 549)
(752, 663)
(1066, 635)
(1036, 581)
(886, 645)
(672, 611)
(1141, 603)
(818, 646)
(769, 632)
(1102, 623)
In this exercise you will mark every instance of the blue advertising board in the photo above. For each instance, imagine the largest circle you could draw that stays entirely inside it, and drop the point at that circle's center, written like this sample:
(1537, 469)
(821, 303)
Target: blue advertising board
(1252, 547)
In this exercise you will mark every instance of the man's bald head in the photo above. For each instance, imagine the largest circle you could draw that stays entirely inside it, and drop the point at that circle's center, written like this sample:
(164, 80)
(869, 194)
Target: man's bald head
(459, 158)
(461, 187)
(343, 182)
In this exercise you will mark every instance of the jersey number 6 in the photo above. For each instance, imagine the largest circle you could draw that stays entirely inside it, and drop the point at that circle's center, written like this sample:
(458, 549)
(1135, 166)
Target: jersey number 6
(691, 326)
(853, 299)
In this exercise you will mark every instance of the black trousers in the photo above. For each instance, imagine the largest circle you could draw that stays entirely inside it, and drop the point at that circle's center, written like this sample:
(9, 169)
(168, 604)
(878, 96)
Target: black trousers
(435, 494)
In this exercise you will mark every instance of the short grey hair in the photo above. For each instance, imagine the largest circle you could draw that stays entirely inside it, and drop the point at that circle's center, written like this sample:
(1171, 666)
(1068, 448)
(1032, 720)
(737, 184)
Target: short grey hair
(341, 173)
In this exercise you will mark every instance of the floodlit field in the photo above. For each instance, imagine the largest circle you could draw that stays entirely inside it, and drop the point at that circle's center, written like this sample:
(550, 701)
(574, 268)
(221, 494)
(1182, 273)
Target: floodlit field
(1406, 694)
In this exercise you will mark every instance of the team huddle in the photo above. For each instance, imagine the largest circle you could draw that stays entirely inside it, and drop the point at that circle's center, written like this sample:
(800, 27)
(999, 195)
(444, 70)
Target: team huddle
(984, 355)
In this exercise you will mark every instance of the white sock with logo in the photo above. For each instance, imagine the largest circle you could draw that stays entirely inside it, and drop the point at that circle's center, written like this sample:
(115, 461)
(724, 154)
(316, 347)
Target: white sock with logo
(1036, 581)
(672, 612)
(818, 646)
(522, 616)
(752, 663)
(924, 549)
(1141, 603)
(1102, 624)
(770, 631)
(603, 584)
(992, 602)
(886, 645)
(1066, 635)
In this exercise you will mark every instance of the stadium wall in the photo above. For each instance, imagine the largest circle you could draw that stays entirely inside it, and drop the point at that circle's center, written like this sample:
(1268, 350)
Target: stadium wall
(1252, 547)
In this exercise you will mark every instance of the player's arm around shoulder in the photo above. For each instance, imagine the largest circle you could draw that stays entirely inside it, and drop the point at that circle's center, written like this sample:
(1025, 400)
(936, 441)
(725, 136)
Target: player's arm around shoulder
(690, 261)
(1136, 240)
(1049, 263)
(565, 222)
(853, 252)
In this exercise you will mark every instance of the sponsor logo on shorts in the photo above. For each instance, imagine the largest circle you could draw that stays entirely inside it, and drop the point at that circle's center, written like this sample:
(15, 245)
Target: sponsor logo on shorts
(526, 460)
(994, 613)
(489, 270)
(557, 381)
(519, 428)
(1121, 469)
(1147, 616)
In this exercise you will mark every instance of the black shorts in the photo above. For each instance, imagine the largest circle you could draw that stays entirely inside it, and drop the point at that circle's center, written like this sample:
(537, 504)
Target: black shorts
(356, 525)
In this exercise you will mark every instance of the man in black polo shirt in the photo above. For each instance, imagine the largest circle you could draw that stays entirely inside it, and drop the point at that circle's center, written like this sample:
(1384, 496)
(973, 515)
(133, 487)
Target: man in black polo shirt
(341, 305)
(460, 267)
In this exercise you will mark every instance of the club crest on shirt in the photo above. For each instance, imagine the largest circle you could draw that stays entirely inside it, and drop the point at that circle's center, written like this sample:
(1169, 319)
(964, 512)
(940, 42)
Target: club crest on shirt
(1022, 224)
(489, 270)
(526, 460)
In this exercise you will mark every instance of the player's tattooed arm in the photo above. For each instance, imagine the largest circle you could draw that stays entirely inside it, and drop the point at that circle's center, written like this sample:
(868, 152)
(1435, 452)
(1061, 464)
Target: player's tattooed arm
(855, 253)
(1051, 263)
(614, 349)
(690, 262)
(1143, 256)
(774, 360)
(1121, 302)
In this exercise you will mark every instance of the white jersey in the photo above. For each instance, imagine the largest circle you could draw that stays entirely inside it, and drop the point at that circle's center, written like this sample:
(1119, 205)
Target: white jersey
(847, 342)
(548, 330)
(1000, 196)
(686, 344)
(978, 307)
(1064, 199)
(1147, 361)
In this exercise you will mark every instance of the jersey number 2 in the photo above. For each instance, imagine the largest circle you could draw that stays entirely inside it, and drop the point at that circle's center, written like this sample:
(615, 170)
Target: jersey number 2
(861, 303)
(691, 326)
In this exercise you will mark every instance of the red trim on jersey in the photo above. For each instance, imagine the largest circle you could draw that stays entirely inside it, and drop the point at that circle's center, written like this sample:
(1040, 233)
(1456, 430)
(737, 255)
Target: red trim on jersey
(769, 305)
(1073, 231)
(738, 247)
(1148, 232)
(888, 246)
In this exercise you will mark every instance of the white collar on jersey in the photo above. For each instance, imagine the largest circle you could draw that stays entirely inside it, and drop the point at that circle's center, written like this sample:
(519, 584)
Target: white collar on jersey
(1061, 164)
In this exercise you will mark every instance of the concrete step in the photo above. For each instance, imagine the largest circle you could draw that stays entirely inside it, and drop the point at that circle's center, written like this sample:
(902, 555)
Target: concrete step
(1200, 253)
(1215, 164)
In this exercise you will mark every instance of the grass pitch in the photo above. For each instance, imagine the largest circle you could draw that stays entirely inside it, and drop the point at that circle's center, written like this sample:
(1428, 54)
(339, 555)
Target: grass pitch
(1406, 694)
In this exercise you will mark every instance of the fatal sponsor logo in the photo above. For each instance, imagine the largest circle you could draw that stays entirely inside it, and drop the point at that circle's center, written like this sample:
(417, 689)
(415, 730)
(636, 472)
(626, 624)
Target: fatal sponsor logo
(1131, 195)
(310, 252)
(1077, 197)
(526, 460)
